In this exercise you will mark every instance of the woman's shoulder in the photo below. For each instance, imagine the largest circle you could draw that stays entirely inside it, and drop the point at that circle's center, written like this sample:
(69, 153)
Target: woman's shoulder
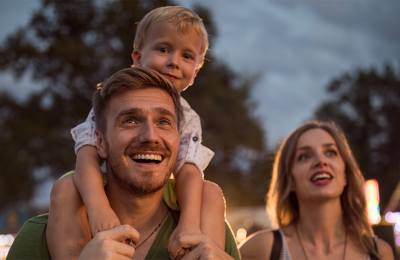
(257, 246)
(384, 249)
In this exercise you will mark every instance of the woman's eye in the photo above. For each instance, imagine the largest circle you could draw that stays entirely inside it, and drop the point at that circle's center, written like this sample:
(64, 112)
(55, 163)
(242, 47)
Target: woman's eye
(331, 153)
(303, 157)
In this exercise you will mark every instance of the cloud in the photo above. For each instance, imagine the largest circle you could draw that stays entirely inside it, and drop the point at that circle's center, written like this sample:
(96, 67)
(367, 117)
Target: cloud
(21, 88)
(298, 46)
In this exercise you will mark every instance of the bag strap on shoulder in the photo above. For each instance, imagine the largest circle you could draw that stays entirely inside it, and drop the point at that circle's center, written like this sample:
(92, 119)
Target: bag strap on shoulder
(276, 246)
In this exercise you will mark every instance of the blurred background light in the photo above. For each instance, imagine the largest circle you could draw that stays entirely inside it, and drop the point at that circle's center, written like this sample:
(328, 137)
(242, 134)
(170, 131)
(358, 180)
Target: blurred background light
(241, 235)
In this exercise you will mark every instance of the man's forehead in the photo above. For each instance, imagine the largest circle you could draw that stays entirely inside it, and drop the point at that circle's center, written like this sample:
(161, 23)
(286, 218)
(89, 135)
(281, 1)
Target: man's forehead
(143, 100)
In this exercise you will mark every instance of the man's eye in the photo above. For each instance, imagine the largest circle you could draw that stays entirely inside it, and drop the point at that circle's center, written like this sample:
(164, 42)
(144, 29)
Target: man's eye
(164, 122)
(129, 121)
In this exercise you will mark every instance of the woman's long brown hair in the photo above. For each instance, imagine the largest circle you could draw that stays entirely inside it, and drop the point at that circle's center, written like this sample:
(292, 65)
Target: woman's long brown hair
(282, 204)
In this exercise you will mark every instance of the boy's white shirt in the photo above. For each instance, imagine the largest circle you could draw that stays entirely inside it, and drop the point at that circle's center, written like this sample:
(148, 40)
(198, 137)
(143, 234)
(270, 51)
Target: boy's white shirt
(190, 149)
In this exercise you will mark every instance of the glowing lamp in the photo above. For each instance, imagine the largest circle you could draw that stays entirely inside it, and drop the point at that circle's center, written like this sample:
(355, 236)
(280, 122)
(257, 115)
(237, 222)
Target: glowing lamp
(371, 189)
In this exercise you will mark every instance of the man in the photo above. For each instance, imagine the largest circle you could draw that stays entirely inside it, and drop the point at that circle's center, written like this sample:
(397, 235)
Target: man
(137, 114)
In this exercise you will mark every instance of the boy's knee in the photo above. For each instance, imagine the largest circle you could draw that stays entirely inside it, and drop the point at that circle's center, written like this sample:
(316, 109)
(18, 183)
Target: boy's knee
(63, 188)
(213, 191)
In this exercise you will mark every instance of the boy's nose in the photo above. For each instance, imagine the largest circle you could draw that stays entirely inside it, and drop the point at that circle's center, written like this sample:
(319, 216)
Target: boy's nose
(173, 61)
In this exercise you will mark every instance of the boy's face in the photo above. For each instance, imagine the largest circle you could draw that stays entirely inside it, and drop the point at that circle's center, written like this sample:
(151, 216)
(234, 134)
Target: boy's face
(170, 53)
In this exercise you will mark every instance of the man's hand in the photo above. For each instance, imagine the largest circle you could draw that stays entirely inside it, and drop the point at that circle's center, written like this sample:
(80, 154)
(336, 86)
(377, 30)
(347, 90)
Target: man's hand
(101, 219)
(182, 229)
(202, 247)
(110, 244)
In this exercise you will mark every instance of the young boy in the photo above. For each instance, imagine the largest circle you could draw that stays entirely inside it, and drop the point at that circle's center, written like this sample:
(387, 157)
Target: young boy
(173, 41)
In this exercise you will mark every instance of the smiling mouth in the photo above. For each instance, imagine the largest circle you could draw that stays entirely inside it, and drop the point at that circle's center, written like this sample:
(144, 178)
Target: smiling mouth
(147, 158)
(321, 176)
(169, 76)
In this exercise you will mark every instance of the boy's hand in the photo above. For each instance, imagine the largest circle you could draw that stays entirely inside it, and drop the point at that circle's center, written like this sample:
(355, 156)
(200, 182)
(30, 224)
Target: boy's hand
(102, 219)
(202, 247)
(178, 251)
(111, 244)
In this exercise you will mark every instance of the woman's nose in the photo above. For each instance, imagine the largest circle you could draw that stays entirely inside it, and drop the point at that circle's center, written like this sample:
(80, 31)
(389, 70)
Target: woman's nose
(320, 160)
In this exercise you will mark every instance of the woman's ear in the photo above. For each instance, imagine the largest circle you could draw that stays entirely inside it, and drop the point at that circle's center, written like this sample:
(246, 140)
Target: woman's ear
(101, 145)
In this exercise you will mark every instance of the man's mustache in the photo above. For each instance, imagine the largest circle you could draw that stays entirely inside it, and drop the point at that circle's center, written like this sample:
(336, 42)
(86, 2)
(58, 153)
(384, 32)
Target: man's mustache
(147, 148)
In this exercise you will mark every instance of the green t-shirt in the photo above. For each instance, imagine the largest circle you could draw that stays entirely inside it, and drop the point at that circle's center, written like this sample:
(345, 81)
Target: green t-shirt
(31, 243)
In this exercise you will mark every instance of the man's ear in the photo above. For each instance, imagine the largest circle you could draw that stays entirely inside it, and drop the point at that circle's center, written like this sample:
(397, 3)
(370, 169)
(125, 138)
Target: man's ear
(136, 56)
(194, 76)
(101, 145)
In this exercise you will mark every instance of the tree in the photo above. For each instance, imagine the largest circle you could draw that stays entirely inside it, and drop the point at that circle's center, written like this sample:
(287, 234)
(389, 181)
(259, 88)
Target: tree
(366, 104)
(69, 47)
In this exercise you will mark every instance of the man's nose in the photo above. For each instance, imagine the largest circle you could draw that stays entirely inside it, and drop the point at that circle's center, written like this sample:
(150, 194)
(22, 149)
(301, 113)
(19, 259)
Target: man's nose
(148, 134)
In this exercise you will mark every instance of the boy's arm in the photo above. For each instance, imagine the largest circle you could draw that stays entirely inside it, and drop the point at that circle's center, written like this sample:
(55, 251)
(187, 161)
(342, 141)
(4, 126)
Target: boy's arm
(189, 188)
(89, 182)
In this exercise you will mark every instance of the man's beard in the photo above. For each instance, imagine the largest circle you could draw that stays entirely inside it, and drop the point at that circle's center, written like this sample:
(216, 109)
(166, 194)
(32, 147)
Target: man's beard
(136, 184)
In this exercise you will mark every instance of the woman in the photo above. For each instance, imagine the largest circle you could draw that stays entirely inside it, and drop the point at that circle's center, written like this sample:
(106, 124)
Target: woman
(316, 198)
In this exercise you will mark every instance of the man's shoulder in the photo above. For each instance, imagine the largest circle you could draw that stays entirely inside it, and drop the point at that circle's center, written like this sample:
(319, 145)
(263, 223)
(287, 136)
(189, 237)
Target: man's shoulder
(30, 242)
(230, 243)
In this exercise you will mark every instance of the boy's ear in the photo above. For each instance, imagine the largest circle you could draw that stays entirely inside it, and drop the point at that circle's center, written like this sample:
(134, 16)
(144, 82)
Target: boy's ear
(136, 56)
(101, 145)
(194, 76)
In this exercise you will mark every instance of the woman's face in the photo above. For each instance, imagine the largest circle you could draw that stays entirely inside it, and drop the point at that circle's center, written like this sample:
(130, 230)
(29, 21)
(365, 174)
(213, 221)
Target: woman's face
(318, 169)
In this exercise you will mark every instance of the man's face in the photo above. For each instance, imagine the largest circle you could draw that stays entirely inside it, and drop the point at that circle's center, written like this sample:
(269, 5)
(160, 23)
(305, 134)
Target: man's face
(142, 140)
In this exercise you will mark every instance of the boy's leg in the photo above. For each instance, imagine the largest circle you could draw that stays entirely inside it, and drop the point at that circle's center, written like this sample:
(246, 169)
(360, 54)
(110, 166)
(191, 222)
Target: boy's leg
(212, 219)
(68, 229)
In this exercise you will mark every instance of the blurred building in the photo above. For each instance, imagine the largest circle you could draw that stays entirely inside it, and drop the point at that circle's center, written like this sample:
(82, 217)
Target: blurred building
(11, 220)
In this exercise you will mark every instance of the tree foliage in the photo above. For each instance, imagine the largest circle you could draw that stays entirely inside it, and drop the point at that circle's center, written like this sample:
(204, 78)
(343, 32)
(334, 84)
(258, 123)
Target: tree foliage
(69, 47)
(366, 104)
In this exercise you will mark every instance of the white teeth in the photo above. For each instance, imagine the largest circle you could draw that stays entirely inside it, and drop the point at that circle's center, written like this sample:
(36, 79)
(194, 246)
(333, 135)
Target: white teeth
(147, 157)
(321, 176)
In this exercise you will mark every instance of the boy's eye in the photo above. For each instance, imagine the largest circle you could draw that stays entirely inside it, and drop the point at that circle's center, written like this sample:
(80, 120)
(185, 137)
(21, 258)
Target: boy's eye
(163, 50)
(187, 56)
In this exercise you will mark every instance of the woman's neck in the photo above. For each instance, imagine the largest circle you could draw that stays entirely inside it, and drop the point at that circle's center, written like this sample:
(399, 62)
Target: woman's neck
(322, 224)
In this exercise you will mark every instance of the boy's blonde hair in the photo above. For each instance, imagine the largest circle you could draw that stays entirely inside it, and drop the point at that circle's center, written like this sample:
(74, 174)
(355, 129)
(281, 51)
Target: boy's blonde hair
(184, 19)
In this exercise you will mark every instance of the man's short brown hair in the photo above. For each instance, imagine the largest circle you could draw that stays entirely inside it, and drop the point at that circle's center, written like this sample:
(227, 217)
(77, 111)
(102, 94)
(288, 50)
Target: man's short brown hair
(135, 78)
